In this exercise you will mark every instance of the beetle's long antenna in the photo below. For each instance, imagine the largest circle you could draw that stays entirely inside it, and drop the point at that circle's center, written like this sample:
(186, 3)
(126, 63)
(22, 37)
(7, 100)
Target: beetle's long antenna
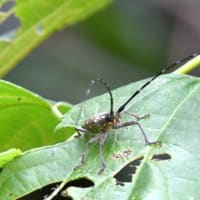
(107, 88)
(177, 63)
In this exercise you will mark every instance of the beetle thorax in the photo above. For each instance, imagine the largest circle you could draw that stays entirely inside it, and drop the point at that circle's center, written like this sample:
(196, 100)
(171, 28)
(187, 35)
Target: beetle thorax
(102, 122)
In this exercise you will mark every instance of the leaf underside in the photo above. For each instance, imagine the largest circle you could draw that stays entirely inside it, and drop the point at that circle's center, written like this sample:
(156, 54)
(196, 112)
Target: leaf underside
(173, 104)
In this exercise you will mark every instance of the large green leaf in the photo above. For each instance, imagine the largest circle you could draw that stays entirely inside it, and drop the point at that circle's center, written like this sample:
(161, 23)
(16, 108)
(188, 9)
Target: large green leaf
(26, 119)
(173, 104)
(38, 19)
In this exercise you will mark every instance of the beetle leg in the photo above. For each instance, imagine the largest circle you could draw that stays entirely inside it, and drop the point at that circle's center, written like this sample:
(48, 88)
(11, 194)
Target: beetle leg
(130, 123)
(79, 131)
(137, 116)
(101, 142)
(91, 141)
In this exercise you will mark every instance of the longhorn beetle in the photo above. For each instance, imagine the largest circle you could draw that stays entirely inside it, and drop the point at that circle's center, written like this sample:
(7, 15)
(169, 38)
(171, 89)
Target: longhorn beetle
(100, 125)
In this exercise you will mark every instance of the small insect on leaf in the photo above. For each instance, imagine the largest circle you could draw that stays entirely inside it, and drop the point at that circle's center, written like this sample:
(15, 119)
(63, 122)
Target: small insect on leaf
(99, 126)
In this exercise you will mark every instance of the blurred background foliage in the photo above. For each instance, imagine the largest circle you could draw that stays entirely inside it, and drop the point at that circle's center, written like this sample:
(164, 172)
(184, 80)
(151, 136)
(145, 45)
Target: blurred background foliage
(127, 41)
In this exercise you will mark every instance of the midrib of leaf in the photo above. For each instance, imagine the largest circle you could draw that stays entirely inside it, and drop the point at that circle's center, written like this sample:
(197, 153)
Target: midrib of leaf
(177, 109)
(149, 152)
(48, 29)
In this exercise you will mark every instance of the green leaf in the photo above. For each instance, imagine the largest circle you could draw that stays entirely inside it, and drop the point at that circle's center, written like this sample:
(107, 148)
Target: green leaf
(173, 104)
(38, 19)
(27, 120)
(9, 155)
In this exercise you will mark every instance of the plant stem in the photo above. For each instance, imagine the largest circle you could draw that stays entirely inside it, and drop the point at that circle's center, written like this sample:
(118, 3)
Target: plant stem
(189, 66)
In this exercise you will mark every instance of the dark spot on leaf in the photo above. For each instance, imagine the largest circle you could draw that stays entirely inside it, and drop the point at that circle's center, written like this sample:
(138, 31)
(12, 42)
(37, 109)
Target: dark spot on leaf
(42, 193)
(47, 190)
(19, 98)
(160, 157)
(9, 22)
(7, 6)
(81, 182)
(9, 28)
(125, 174)
(10, 194)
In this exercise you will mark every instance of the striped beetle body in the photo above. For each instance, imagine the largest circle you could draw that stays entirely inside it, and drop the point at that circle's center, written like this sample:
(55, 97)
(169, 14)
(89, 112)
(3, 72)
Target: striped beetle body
(102, 122)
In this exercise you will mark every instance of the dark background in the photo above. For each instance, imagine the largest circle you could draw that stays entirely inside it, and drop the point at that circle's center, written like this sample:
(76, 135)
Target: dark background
(127, 41)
